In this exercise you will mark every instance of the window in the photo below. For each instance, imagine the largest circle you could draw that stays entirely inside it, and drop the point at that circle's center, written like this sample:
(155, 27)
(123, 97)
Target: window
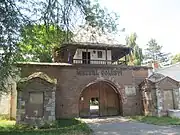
(99, 54)
(86, 56)
(35, 105)
(36, 98)
(130, 90)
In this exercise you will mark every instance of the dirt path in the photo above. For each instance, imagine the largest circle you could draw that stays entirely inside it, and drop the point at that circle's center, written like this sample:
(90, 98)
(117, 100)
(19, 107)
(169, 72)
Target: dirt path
(122, 126)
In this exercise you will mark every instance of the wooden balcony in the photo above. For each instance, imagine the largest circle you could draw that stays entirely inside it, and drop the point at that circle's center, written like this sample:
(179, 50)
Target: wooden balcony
(99, 62)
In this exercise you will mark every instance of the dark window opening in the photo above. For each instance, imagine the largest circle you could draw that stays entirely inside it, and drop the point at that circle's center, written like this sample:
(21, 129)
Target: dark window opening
(99, 54)
(86, 57)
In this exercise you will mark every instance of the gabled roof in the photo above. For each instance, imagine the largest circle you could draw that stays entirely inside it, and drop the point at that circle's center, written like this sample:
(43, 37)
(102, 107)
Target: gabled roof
(40, 75)
(159, 80)
(157, 77)
(95, 45)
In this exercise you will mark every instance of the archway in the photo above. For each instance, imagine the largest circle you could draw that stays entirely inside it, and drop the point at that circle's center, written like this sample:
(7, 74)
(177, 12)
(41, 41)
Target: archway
(105, 95)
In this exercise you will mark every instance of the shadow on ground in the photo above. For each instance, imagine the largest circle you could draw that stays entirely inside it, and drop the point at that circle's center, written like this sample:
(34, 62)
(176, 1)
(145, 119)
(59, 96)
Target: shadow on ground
(123, 126)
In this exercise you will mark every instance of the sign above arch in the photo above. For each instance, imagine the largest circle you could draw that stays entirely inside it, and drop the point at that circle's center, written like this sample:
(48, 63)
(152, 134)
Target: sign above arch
(96, 72)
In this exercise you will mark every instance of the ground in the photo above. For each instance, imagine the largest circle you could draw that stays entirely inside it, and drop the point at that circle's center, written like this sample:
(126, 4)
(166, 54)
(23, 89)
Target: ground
(60, 127)
(124, 126)
(100, 126)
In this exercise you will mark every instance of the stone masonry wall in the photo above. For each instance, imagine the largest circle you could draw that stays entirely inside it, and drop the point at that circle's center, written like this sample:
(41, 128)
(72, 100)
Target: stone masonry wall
(36, 85)
(4, 103)
(166, 84)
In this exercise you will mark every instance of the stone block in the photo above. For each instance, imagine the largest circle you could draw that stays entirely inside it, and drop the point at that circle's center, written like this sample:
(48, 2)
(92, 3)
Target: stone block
(51, 118)
(52, 113)
(18, 118)
(48, 108)
(21, 111)
(22, 103)
(53, 94)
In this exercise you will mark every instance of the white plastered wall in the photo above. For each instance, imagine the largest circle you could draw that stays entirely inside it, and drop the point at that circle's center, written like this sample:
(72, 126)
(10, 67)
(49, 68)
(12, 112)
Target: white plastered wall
(93, 55)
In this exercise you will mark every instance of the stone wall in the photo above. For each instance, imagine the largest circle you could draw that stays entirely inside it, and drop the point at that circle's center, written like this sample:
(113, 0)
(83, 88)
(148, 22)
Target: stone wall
(8, 102)
(165, 95)
(5, 104)
(161, 87)
(71, 80)
(23, 104)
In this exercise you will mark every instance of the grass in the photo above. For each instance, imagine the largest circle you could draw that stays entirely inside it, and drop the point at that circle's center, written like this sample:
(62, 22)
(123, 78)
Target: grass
(60, 127)
(4, 117)
(156, 120)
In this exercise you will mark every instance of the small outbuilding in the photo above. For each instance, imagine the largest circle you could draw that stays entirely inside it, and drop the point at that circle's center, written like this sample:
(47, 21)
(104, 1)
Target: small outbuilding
(159, 94)
(36, 99)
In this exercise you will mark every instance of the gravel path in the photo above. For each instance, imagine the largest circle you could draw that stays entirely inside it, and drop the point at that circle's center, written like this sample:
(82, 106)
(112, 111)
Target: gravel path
(121, 126)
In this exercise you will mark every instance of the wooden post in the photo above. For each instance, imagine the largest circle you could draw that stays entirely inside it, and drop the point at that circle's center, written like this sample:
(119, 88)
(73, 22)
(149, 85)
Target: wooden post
(86, 55)
(106, 56)
(69, 57)
(126, 59)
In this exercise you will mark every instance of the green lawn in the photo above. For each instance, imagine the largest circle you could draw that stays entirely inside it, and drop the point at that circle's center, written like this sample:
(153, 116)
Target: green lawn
(156, 120)
(60, 127)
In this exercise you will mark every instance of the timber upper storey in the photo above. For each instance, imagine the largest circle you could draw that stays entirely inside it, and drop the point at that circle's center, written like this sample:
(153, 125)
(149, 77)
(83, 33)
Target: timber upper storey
(92, 53)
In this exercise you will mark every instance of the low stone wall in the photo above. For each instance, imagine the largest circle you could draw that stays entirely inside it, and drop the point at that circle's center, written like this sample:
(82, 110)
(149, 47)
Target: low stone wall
(4, 104)
(8, 104)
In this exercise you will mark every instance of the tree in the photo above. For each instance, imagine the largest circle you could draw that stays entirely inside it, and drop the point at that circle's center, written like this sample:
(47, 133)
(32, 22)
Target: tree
(70, 13)
(137, 56)
(11, 20)
(37, 43)
(176, 58)
(65, 14)
(154, 52)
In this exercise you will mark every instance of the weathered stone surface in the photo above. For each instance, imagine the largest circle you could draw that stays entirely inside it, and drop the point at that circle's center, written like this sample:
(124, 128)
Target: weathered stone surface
(25, 107)
(164, 95)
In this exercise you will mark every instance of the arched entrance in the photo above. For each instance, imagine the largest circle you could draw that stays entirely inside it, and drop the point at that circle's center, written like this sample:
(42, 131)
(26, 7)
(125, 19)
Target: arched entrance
(103, 96)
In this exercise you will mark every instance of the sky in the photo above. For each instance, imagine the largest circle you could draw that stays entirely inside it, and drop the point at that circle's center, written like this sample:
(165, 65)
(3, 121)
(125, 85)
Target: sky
(159, 19)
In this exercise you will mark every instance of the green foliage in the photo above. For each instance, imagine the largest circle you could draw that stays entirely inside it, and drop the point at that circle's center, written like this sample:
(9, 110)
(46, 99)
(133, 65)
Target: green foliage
(176, 58)
(67, 13)
(101, 19)
(62, 126)
(10, 23)
(157, 120)
(137, 54)
(154, 52)
(38, 41)
(22, 41)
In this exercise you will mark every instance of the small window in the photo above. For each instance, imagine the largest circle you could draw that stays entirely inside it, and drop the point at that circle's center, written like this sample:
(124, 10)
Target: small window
(36, 97)
(99, 54)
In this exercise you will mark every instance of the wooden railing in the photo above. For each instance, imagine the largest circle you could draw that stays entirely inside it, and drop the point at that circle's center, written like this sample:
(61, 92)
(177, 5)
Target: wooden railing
(87, 61)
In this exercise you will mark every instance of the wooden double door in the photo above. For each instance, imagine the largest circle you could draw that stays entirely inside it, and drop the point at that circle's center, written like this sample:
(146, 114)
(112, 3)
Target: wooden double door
(109, 100)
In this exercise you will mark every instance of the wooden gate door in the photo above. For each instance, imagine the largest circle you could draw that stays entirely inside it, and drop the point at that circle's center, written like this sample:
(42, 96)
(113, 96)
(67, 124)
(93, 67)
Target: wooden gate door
(109, 100)
(84, 102)
(84, 110)
(109, 103)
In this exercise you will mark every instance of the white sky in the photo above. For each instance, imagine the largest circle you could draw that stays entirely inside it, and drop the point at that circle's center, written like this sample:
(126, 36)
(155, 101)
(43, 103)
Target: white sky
(159, 19)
